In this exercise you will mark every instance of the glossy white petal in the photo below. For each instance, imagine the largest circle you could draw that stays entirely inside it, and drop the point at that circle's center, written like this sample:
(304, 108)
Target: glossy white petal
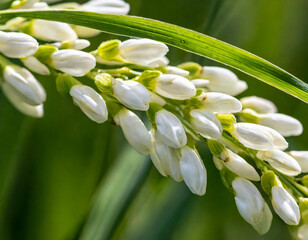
(90, 102)
(223, 80)
(248, 200)
(33, 64)
(142, 51)
(284, 124)
(302, 232)
(281, 161)
(85, 32)
(24, 84)
(134, 131)
(176, 71)
(239, 166)
(260, 105)
(206, 124)
(265, 221)
(193, 171)
(32, 111)
(302, 158)
(285, 206)
(200, 83)
(219, 102)
(52, 31)
(77, 44)
(132, 94)
(174, 87)
(73, 62)
(17, 45)
(117, 7)
(171, 129)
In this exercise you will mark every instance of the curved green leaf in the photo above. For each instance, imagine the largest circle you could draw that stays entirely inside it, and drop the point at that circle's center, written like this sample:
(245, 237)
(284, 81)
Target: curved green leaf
(178, 37)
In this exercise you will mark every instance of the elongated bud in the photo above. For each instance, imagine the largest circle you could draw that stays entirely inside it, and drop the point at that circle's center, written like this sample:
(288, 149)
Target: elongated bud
(281, 161)
(258, 137)
(51, 31)
(200, 83)
(260, 105)
(90, 102)
(77, 44)
(220, 103)
(132, 94)
(285, 206)
(27, 109)
(142, 51)
(35, 65)
(73, 62)
(174, 87)
(134, 131)
(165, 158)
(248, 200)
(193, 171)
(239, 166)
(302, 158)
(117, 7)
(284, 124)
(263, 226)
(160, 62)
(24, 84)
(223, 80)
(85, 32)
(171, 129)
(17, 45)
(176, 71)
(206, 124)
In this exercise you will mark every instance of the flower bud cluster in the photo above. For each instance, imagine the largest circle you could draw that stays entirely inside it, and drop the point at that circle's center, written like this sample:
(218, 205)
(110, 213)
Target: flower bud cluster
(183, 105)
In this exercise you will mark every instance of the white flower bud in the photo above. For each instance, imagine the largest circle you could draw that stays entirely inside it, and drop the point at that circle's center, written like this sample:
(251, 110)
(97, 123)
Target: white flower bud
(171, 129)
(134, 131)
(223, 80)
(23, 4)
(85, 32)
(258, 137)
(248, 200)
(193, 171)
(285, 206)
(165, 158)
(174, 87)
(200, 83)
(260, 105)
(40, 6)
(284, 124)
(52, 31)
(206, 124)
(161, 62)
(220, 103)
(239, 166)
(32, 111)
(77, 44)
(24, 84)
(265, 222)
(132, 94)
(157, 99)
(90, 102)
(176, 71)
(302, 158)
(281, 161)
(142, 51)
(218, 163)
(73, 62)
(17, 45)
(117, 7)
(35, 65)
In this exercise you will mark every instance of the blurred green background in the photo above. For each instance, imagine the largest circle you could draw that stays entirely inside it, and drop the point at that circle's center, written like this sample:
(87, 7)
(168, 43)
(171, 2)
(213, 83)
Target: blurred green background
(64, 177)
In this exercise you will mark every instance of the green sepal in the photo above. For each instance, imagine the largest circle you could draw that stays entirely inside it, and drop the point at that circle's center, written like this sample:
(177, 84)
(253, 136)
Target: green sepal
(103, 82)
(147, 78)
(269, 180)
(44, 53)
(249, 115)
(113, 105)
(27, 27)
(304, 180)
(190, 141)
(227, 178)
(18, 3)
(153, 109)
(227, 121)
(194, 69)
(303, 207)
(216, 147)
(65, 82)
(109, 50)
